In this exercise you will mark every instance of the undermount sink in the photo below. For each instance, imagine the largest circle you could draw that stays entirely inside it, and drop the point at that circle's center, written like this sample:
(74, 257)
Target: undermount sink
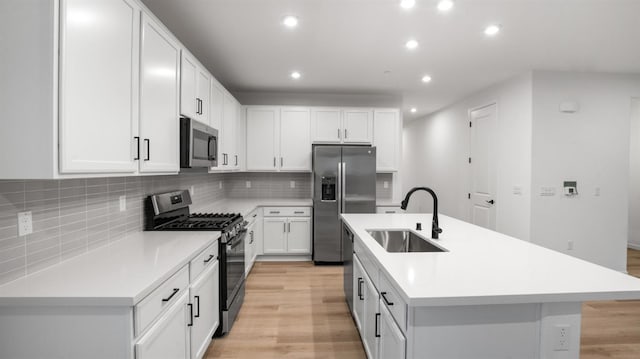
(399, 241)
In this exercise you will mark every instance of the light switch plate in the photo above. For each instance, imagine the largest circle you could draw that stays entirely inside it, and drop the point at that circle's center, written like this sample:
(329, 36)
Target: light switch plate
(517, 190)
(385, 184)
(220, 185)
(25, 223)
(292, 184)
(247, 184)
(192, 190)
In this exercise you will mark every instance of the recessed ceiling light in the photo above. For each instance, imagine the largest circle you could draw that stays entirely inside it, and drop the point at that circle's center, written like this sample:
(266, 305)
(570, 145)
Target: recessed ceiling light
(426, 78)
(411, 44)
(445, 5)
(492, 30)
(413, 110)
(290, 21)
(295, 75)
(407, 4)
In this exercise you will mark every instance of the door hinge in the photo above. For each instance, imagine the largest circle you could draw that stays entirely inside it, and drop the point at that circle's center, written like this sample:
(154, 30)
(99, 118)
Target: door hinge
(469, 195)
(469, 159)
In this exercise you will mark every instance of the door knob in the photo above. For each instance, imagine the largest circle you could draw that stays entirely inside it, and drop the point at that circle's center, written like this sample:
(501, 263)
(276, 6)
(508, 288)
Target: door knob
(491, 202)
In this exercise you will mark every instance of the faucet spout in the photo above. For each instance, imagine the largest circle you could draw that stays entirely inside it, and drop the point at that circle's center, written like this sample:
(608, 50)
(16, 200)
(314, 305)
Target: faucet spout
(435, 229)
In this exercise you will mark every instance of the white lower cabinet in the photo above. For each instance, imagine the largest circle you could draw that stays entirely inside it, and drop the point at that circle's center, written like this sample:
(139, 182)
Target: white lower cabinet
(204, 299)
(167, 338)
(287, 235)
(381, 336)
(392, 342)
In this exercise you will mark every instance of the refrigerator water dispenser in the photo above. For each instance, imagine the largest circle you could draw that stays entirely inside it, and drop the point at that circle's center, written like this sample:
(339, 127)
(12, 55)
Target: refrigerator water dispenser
(328, 188)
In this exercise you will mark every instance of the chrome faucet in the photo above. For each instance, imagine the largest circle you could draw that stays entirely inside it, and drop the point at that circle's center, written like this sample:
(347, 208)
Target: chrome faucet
(435, 230)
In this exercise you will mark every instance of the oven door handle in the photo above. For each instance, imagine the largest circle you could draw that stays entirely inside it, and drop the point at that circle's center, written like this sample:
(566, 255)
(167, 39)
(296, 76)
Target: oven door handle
(237, 239)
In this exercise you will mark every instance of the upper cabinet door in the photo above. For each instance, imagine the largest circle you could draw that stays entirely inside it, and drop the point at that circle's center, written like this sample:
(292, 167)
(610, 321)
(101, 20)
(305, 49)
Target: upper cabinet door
(229, 132)
(203, 95)
(189, 104)
(159, 99)
(262, 138)
(357, 126)
(387, 139)
(295, 139)
(216, 106)
(326, 125)
(99, 61)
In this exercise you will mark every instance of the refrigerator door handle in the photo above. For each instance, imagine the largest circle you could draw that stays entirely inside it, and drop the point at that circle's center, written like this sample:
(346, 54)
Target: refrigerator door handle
(343, 186)
(339, 180)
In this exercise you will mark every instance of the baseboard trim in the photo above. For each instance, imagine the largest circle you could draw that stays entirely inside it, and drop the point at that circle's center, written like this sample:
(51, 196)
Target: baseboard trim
(283, 258)
(635, 246)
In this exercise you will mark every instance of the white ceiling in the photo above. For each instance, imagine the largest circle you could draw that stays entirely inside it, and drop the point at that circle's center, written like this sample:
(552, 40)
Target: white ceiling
(347, 45)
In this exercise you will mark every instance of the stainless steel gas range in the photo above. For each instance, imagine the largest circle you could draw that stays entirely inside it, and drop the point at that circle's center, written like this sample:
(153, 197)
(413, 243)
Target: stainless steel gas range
(169, 211)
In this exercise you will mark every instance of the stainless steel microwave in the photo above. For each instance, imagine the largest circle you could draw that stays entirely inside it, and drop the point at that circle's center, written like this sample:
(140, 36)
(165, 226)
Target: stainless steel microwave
(198, 144)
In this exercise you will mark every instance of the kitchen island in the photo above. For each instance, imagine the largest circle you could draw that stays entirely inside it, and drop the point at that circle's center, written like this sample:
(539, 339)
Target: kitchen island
(487, 295)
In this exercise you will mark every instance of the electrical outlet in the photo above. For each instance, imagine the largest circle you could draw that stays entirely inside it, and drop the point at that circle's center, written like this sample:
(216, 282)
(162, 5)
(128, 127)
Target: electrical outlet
(247, 184)
(292, 184)
(123, 203)
(561, 337)
(517, 190)
(570, 245)
(192, 190)
(25, 223)
(385, 184)
(220, 185)
(596, 192)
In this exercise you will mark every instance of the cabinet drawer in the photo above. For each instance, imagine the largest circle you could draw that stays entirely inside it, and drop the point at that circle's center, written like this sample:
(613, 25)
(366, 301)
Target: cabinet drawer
(252, 217)
(203, 261)
(287, 211)
(393, 301)
(148, 309)
(367, 263)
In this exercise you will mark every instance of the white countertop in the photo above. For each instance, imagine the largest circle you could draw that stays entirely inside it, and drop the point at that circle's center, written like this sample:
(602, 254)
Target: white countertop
(486, 267)
(246, 206)
(118, 274)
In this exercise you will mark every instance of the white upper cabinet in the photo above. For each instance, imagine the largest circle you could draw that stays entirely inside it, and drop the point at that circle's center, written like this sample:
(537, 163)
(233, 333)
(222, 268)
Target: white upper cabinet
(195, 87)
(98, 99)
(357, 126)
(295, 139)
(159, 99)
(327, 125)
(229, 153)
(387, 139)
(262, 138)
(342, 125)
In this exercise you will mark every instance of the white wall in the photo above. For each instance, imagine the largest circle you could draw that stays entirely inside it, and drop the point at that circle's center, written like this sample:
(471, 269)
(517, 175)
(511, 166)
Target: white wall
(634, 188)
(591, 147)
(436, 151)
(318, 99)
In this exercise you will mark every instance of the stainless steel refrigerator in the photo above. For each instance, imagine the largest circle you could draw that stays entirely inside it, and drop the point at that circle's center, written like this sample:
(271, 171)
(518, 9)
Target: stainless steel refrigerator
(344, 181)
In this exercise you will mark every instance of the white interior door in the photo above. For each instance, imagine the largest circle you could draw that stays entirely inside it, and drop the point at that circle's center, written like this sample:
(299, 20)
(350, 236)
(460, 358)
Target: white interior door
(295, 139)
(483, 166)
(159, 99)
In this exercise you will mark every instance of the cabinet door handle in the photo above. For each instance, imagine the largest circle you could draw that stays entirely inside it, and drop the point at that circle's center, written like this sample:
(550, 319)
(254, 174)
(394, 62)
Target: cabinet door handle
(197, 298)
(236, 160)
(289, 227)
(137, 138)
(377, 326)
(360, 281)
(345, 133)
(274, 162)
(338, 133)
(383, 294)
(284, 227)
(281, 162)
(191, 315)
(209, 259)
(148, 141)
(175, 291)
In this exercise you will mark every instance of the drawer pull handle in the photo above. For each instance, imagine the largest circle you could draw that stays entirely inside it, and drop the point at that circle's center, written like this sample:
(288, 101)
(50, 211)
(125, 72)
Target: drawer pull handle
(377, 332)
(274, 212)
(175, 291)
(197, 298)
(190, 315)
(389, 211)
(209, 259)
(298, 212)
(383, 294)
(254, 216)
(360, 281)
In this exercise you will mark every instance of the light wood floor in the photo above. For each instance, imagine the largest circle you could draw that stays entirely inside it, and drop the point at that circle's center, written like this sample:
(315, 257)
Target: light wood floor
(297, 310)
